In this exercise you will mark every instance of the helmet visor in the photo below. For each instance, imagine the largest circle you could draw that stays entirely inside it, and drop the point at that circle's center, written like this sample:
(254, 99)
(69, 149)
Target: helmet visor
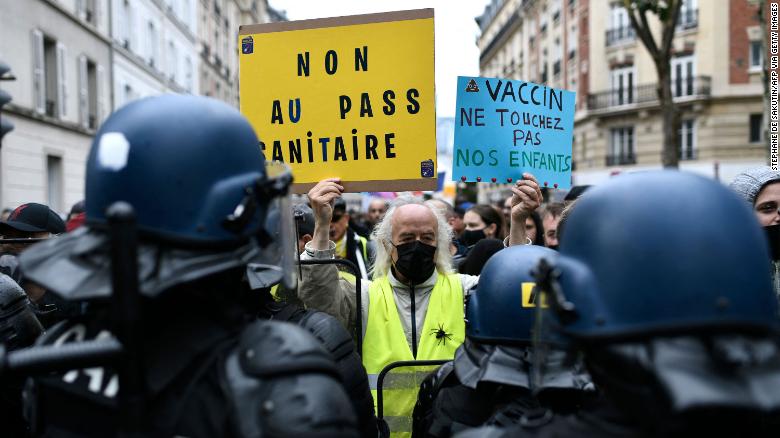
(276, 263)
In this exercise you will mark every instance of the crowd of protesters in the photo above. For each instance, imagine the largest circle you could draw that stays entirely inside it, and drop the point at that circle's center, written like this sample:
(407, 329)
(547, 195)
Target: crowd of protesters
(612, 313)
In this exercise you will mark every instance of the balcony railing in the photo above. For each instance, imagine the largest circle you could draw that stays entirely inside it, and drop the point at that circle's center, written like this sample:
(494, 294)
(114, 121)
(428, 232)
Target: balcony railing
(689, 18)
(681, 87)
(619, 160)
(619, 35)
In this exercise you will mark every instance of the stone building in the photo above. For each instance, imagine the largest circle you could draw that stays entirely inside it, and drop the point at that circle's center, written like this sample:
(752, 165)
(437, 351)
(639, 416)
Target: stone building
(588, 46)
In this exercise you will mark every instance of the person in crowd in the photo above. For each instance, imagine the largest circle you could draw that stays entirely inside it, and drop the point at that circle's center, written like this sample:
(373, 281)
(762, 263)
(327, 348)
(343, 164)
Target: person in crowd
(565, 213)
(457, 224)
(551, 215)
(29, 221)
(479, 255)
(377, 208)
(533, 224)
(482, 222)
(490, 381)
(349, 244)
(6, 212)
(457, 249)
(279, 304)
(76, 217)
(19, 328)
(34, 222)
(413, 307)
(208, 371)
(693, 349)
(760, 187)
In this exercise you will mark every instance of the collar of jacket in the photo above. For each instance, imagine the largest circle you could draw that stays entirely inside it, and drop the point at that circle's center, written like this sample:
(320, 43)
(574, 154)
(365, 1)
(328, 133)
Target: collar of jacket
(404, 288)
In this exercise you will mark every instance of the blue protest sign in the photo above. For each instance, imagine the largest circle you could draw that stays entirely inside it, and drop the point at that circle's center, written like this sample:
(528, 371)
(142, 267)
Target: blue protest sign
(505, 127)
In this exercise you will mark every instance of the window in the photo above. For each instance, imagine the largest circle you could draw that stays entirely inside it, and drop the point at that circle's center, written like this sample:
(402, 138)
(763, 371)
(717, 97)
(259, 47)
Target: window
(619, 28)
(686, 137)
(90, 92)
(621, 146)
(185, 12)
(622, 86)
(129, 94)
(152, 49)
(688, 15)
(683, 72)
(756, 56)
(87, 10)
(756, 127)
(54, 182)
(126, 25)
(49, 86)
(172, 64)
(188, 74)
(556, 7)
(571, 41)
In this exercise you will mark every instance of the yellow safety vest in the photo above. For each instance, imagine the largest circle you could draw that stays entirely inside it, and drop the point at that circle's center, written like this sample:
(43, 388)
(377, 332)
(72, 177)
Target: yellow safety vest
(385, 343)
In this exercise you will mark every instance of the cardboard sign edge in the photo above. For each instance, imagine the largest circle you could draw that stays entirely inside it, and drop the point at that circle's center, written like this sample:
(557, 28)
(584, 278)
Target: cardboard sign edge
(349, 20)
(378, 185)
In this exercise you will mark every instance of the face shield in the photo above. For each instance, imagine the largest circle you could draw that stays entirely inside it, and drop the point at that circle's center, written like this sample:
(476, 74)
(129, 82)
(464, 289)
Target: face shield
(276, 263)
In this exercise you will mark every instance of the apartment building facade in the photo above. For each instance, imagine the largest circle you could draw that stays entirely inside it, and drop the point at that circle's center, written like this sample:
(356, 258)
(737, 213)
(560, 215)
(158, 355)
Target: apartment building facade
(76, 61)
(219, 21)
(589, 46)
(60, 54)
(155, 48)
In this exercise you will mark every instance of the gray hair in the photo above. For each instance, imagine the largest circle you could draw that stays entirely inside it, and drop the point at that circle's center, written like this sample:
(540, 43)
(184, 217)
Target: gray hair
(383, 235)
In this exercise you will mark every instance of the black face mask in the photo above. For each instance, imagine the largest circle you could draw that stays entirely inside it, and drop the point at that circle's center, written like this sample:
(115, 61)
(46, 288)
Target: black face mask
(415, 261)
(471, 237)
(773, 235)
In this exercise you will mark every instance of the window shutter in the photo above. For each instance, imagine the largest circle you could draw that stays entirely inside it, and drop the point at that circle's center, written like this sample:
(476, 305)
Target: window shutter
(83, 92)
(81, 9)
(98, 14)
(62, 90)
(39, 82)
(101, 94)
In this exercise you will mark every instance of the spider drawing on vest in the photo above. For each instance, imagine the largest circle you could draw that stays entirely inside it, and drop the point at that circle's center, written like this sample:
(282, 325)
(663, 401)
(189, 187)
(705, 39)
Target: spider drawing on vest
(441, 335)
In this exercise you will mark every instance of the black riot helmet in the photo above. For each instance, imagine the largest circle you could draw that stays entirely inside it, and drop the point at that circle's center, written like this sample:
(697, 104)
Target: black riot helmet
(19, 327)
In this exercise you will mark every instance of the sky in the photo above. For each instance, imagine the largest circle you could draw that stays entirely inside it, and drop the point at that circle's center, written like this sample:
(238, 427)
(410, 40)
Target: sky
(456, 33)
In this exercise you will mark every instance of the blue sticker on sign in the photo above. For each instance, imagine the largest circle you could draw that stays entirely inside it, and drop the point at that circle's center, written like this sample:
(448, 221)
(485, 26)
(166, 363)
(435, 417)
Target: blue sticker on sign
(506, 127)
(426, 169)
(247, 45)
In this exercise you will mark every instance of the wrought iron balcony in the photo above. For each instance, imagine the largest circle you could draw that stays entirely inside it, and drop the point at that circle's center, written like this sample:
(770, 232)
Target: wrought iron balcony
(619, 35)
(645, 94)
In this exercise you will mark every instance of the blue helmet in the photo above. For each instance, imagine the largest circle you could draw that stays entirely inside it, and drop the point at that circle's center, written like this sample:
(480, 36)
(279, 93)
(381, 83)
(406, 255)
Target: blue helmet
(204, 197)
(662, 252)
(183, 162)
(503, 308)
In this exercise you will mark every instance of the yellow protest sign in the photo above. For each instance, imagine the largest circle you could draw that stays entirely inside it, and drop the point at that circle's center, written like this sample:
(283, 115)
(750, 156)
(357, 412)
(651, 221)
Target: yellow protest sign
(349, 97)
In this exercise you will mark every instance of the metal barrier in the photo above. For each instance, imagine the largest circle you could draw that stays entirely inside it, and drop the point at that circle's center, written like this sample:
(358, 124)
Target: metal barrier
(401, 363)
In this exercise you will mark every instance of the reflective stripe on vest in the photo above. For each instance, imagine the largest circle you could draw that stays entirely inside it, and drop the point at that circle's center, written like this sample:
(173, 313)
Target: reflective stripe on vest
(385, 343)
